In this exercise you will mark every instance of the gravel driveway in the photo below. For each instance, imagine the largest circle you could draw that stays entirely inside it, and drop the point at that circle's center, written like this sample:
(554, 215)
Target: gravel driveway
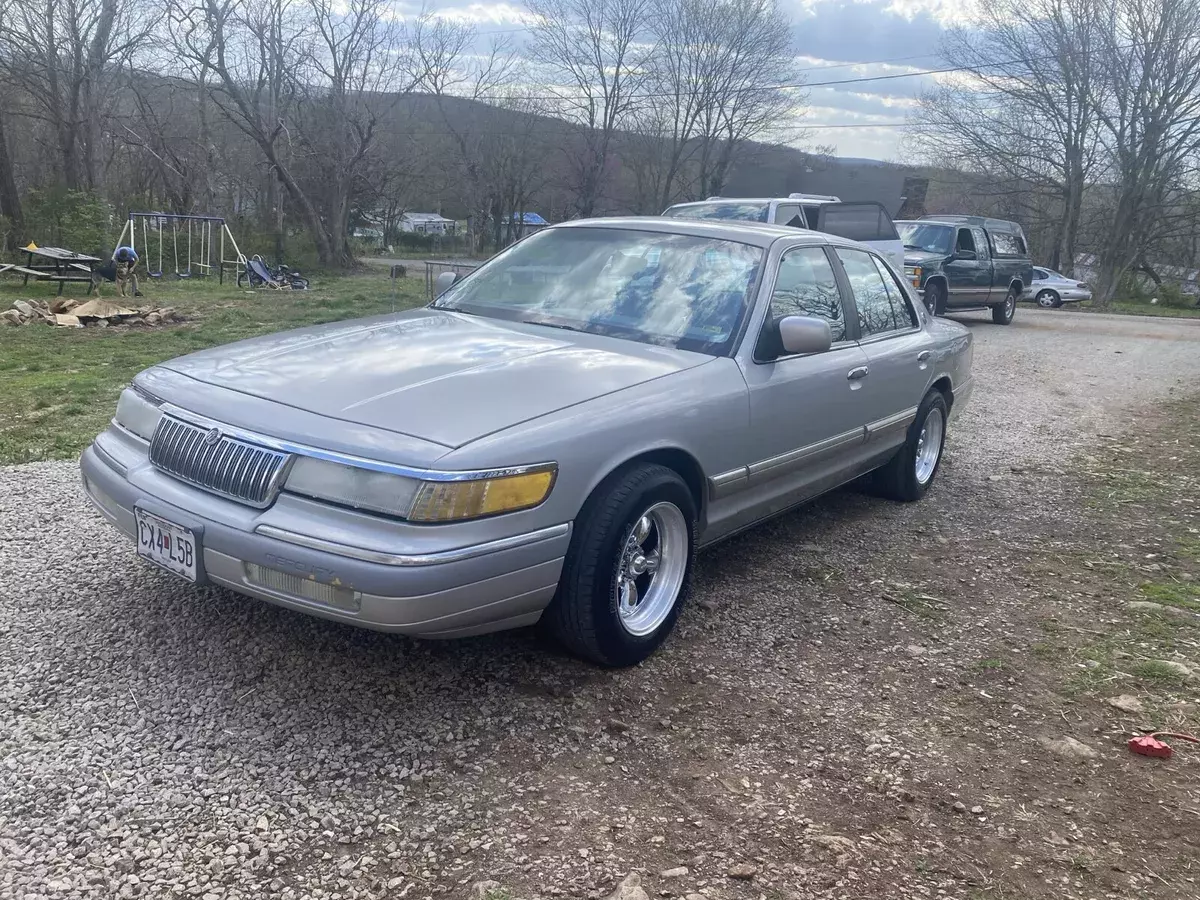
(159, 741)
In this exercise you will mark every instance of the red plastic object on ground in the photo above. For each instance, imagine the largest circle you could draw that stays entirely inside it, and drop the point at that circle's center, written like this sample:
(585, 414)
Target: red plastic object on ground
(1150, 745)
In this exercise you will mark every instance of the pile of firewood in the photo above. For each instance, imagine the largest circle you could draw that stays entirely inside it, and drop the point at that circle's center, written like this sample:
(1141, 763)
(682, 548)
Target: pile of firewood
(68, 313)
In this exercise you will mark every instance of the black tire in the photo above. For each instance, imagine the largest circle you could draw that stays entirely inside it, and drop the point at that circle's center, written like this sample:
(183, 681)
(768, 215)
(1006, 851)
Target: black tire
(898, 479)
(1048, 299)
(584, 615)
(935, 298)
(1003, 313)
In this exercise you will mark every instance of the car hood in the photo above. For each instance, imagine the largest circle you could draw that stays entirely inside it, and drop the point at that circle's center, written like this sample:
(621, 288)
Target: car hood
(432, 374)
(921, 258)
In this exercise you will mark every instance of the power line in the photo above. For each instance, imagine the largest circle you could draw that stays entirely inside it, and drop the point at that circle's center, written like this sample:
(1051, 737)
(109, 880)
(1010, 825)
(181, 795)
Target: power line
(862, 79)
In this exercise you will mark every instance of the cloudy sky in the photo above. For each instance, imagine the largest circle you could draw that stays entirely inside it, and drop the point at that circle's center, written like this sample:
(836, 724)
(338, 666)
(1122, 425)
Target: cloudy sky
(835, 40)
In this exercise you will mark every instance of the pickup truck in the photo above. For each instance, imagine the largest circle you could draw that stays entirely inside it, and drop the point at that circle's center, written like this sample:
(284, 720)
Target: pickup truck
(967, 262)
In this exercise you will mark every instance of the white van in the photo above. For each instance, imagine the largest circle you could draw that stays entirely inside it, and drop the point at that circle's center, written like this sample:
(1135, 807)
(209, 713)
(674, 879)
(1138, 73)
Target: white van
(867, 222)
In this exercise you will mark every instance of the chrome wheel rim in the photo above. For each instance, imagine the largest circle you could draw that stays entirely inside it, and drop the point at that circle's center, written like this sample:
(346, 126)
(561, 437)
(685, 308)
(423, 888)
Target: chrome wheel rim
(1010, 304)
(1045, 299)
(651, 568)
(929, 445)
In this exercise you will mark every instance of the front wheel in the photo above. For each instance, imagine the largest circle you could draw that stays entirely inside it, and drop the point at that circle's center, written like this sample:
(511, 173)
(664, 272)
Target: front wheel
(935, 298)
(1003, 314)
(912, 470)
(1047, 299)
(628, 570)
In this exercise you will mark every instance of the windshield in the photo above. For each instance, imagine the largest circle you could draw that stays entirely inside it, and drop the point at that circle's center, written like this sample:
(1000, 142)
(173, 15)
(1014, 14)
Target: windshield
(927, 237)
(674, 290)
(743, 211)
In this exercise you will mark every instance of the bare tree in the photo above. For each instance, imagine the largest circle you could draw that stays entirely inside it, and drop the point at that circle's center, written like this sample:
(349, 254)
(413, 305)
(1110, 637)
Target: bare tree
(462, 85)
(1150, 118)
(307, 81)
(1023, 111)
(66, 57)
(593, 62)
(722, 75)
(10, 200)
(753, 39)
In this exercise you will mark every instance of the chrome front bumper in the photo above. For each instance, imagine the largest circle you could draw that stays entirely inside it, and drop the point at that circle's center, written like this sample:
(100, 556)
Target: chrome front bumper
(449, 591)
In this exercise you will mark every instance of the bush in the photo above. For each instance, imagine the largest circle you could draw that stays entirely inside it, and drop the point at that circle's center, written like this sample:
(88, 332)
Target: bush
(1135, 288)
(1172, 295)
(76, 220)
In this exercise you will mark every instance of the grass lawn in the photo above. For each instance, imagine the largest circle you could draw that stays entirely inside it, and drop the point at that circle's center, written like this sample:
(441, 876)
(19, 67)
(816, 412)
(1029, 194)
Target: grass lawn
(59, 386)
(1135, 308)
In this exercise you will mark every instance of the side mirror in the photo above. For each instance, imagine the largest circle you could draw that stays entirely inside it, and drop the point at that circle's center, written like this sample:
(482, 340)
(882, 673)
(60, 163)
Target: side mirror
(443, 282)
(965, 254)
(804, 334)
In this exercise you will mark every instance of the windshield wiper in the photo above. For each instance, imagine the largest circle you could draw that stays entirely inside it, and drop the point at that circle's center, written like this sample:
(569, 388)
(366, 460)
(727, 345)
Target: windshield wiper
(913, 247)
(549, 324)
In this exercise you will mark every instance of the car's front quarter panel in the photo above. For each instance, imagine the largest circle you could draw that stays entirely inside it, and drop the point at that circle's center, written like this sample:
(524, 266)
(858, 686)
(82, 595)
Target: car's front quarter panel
(701, 412)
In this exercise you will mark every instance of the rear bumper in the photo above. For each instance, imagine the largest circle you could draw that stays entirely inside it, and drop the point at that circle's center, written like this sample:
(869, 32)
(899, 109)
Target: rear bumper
(455, 592)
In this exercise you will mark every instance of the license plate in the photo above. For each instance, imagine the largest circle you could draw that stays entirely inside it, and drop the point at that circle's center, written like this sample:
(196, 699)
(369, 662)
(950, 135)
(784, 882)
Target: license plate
(166, 544)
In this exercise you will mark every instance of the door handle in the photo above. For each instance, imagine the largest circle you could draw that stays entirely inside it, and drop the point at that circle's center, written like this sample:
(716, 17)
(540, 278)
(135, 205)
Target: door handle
(856, 374)
(923, 355)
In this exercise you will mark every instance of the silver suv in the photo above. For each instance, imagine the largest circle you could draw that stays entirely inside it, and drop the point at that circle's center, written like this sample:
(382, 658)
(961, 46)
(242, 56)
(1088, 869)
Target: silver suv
(866, 222)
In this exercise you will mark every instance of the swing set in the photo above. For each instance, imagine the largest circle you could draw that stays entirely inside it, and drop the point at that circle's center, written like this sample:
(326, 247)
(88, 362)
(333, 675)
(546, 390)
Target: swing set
(202, 256)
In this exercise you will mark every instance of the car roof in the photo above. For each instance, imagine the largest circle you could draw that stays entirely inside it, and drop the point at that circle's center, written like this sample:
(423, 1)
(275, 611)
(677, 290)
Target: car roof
(754, 233)
(718, 201)
(985, 221)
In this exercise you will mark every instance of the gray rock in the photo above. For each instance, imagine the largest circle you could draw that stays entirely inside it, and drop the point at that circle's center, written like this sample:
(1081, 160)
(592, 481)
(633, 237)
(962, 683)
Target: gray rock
(1125, 703)
(677, 872)
(1162, 609)
(1068, 748)
(25, 308)
(1178, 668)
(630, 889)
(742, 871)
(11, 317)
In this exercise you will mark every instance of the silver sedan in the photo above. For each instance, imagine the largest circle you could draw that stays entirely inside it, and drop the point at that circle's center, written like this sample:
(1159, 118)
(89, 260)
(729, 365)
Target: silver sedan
(549, 442)
(1050, 290)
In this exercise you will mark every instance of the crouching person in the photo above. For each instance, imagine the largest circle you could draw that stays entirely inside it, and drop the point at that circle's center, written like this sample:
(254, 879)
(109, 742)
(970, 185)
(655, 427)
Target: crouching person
(126, 260)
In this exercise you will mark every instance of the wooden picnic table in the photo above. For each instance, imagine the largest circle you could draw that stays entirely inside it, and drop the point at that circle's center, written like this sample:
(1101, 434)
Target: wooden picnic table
(64, 266)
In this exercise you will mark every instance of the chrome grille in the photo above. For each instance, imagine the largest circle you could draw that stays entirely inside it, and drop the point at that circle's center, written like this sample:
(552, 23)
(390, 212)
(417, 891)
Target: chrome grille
(216, 462)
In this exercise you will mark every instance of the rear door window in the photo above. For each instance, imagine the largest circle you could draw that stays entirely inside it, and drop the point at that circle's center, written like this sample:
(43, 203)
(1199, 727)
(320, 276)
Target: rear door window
(1007, 244)
(857, 221)
(880, 311)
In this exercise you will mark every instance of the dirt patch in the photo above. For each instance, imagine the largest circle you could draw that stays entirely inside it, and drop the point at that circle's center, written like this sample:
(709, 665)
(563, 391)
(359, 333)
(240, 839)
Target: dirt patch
(933, 720)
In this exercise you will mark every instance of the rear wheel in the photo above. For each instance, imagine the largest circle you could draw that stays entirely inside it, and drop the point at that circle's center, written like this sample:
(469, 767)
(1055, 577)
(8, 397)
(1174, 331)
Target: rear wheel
(628, 570)
(1003, 314)
(913, 468)
(1048, 299)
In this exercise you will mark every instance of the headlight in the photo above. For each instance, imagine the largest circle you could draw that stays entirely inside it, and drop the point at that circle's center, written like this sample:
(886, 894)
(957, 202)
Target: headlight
(415, 499)
(914, 275)
(136, 412)
(352, 486)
